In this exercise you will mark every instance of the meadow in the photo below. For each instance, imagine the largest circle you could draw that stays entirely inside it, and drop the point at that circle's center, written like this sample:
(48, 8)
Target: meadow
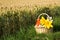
(18, 24)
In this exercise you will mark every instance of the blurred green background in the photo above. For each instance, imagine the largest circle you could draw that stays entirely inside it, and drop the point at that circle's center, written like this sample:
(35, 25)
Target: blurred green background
(19, 24)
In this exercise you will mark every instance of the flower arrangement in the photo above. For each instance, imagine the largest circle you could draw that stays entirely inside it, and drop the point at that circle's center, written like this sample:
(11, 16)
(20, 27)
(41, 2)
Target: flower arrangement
(44, 23)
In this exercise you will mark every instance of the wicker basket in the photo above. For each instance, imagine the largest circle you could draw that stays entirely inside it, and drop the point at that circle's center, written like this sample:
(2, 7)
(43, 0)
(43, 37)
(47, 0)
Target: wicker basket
(40, 28)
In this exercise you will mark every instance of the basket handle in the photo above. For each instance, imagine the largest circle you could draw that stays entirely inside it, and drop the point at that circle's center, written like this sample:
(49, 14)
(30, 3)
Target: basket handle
(44, 14)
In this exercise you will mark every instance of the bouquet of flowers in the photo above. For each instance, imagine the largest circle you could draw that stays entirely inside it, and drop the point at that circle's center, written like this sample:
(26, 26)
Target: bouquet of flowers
(42, 24)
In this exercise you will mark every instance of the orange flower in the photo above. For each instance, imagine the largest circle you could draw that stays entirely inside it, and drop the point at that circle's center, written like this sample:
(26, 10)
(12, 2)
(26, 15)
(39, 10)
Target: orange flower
(38, 22)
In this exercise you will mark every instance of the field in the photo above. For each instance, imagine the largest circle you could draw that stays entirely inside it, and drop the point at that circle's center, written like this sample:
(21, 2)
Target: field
(18, 24)
(30, 3)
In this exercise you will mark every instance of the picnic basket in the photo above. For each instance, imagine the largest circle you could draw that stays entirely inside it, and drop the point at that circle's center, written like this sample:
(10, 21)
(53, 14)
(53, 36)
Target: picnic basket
(40, 28)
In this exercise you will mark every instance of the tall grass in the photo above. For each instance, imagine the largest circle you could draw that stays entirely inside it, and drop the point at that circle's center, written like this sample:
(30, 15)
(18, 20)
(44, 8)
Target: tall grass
(16, 24)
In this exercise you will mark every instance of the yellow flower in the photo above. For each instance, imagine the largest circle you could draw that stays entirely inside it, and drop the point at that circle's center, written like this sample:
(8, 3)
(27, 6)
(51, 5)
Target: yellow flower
(42, 21)
(48, 24)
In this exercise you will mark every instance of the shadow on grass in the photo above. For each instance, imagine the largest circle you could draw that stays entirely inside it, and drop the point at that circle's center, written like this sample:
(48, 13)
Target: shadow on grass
(56, 28)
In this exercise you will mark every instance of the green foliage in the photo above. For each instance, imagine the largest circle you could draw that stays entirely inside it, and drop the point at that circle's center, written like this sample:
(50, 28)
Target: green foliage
(19, 23)
(56, 23)
(57, 36)
(13, 20)
(27, 34)
(30, 34)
